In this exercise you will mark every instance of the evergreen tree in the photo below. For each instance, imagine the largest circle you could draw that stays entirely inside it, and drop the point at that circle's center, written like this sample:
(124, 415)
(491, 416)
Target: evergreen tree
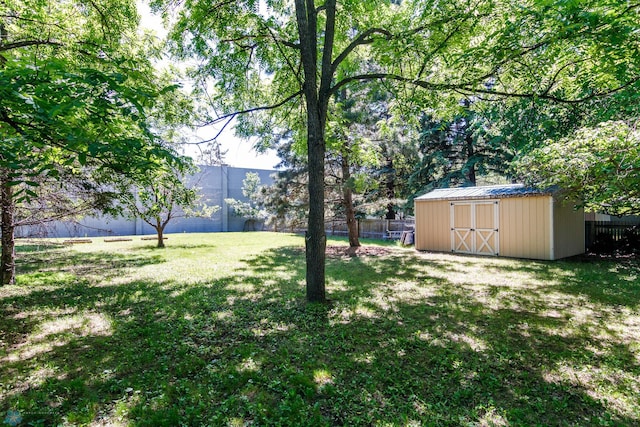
(457, 152)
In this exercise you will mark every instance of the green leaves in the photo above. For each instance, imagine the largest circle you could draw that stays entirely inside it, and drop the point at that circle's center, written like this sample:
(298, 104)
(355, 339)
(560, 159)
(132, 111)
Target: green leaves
(598, 166)
(161, 196)
(251, 189)
(81, 97)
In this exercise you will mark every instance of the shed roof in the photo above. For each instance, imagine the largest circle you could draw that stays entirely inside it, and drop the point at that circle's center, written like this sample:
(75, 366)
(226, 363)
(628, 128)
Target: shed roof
(487, 192)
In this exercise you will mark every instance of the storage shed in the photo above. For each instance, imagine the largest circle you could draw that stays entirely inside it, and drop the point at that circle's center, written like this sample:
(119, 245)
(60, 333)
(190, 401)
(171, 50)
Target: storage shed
(505, 220)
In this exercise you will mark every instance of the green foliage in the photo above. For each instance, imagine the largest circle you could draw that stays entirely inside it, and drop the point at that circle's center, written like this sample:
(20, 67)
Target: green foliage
(78, 89)
(77, 85)
(527, 55)
(252, 190)
(163, 196)
(457, 153)
(213, 331)
(277, 66)
(599, 166)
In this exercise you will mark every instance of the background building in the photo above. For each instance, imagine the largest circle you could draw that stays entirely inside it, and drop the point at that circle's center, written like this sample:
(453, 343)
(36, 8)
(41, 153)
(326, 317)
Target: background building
(216, 183)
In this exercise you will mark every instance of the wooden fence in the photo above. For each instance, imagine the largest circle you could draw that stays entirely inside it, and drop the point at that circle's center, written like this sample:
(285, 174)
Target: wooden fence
(609, 236)
(372, 228)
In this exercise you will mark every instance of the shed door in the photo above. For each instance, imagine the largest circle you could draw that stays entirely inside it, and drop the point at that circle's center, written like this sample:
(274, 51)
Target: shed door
(474, 227)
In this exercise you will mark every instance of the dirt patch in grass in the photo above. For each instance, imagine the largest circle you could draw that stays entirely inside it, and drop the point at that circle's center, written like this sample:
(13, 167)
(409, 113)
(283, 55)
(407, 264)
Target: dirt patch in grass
(339, 251)
(349, 252)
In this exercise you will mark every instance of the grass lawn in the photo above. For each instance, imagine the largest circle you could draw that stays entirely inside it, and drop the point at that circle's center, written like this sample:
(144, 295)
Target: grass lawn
(214, 330)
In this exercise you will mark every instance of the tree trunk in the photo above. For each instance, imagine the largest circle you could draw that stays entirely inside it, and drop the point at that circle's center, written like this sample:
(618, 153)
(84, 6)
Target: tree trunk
(471, 172)
(160, 230)
(317, 102)
(8, 265)
(315, 239)
(390, 187)
(347, 198)
(7, 210)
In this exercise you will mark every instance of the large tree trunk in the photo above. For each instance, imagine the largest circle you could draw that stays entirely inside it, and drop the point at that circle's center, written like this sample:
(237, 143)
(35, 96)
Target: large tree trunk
(315, 239)
(7, 211)
(347, 197)
(317, 102)
(7, 205)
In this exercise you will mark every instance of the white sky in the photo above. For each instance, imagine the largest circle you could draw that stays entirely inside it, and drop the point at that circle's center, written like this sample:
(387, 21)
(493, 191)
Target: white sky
(240, 152)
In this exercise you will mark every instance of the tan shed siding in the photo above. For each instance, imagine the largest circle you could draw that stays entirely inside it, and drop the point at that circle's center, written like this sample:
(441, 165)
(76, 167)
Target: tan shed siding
(525, 227)
(433, 231)
(568, 230)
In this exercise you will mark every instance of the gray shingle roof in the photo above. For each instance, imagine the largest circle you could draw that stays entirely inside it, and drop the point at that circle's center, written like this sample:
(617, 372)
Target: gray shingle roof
(488, 192)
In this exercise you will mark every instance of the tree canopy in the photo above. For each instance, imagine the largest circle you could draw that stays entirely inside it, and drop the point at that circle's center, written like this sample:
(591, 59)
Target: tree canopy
(596, 166)
(457, 152)
(283, 61)
(76, 85)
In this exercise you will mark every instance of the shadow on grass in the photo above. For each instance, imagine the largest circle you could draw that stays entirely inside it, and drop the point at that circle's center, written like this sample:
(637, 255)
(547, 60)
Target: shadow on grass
(399, 344)
(28, 246)
(83, 263)
(603, 282)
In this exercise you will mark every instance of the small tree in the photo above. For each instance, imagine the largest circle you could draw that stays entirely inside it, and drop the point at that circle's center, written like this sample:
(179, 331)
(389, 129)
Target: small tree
(252, 209)
(163, 198)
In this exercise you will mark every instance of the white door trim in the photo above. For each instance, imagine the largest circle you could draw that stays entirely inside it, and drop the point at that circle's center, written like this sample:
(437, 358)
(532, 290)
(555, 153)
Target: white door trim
(480, 239)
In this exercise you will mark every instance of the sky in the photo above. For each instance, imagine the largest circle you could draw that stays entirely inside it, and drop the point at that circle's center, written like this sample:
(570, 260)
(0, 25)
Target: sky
(240, 152)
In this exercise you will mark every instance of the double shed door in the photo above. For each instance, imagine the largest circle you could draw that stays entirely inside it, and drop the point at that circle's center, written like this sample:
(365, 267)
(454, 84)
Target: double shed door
(474, 227)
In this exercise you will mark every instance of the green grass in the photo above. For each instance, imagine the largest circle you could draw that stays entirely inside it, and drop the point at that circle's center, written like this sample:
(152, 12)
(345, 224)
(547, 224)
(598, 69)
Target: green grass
(214, 330)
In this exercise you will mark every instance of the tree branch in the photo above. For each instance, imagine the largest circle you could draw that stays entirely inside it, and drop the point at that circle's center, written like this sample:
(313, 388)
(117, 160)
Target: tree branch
(35, 21)
(467, 89)
(557, 73)
(366, 36)
(241, 38)
(327, 70)
(362, 39)
(104, 20)
(435, 50)
(27, 43)
(58, 216)
(205, 141)
(253, 110)
(545, 95)
(396, 77)
(290, 44)
(286, 58)
(630, 8)
(217, 6)
(312, 21)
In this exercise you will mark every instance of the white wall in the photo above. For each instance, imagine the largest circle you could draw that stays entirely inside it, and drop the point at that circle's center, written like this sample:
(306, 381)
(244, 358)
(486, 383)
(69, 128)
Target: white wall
(216, 184)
